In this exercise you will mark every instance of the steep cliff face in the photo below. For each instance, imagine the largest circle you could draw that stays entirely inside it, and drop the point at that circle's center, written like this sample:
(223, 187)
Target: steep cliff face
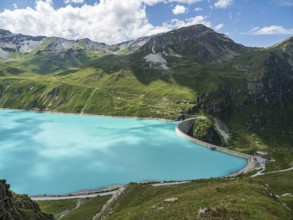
(270, 85)
(18, 207)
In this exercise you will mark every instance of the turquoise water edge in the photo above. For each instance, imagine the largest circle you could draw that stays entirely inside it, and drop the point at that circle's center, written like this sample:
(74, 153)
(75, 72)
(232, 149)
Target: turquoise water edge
(45, 153)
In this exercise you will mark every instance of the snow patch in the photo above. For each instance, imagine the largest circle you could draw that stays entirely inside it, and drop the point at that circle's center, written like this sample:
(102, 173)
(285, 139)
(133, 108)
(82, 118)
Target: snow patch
(157, 59)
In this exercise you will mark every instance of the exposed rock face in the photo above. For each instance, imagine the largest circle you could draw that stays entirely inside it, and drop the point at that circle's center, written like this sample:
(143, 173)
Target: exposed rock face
(8, 210)
(23, 44)
(18, 207)
(10, 42)
(130, 46)
(223, 105)
(222, 129)
(58, 44)
(198, 41)
(273, 86)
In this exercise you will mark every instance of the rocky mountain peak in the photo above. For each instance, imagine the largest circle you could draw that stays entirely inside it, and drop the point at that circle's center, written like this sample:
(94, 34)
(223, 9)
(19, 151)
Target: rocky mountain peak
(4, 33)
(23, 44)
(197, 42)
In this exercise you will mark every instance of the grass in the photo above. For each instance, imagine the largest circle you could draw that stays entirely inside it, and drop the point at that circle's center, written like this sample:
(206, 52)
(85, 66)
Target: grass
(201, 126)
(80, 81)
(56, 207)
(279, 183)
(283, 159)
(223, 198)
(96, 92)
(88, 209)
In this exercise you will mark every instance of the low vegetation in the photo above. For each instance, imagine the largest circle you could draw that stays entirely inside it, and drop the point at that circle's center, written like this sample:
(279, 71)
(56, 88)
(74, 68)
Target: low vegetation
(57, 207)
(86, 211)
(281, 184)
(251, 94)
(201, 199)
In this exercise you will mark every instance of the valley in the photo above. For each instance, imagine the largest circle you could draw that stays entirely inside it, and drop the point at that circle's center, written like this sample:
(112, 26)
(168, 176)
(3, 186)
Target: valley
(189, 72)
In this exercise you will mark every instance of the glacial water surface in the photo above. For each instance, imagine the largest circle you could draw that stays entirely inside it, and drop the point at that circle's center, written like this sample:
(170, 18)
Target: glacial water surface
(44, 153)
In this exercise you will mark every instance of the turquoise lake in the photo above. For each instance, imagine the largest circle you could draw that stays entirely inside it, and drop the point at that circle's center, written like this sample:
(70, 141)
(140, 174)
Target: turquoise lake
(45, 153)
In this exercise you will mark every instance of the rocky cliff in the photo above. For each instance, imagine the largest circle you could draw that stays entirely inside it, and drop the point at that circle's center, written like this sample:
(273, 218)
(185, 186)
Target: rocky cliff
(18, 207)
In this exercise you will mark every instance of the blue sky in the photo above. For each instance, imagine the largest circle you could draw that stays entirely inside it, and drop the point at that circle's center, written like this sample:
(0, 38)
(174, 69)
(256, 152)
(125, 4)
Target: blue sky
(250, 22)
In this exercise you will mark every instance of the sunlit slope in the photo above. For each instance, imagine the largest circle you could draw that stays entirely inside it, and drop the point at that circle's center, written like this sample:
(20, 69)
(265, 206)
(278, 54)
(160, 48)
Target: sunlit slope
(204, 199)
(185, 71)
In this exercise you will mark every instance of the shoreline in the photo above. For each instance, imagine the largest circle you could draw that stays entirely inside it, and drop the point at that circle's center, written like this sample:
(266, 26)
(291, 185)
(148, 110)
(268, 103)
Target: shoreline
(112, 188)
(92, 115)
(250, 166)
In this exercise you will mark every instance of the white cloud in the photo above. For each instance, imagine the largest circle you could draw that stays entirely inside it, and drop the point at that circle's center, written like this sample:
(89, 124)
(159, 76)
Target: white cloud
(285, 2)
(179, 9)
(176, 23)
(198, 9)
(271, 30)
(153, 2)
(223, 3)
(74, 1)
(14, 5)
(185, 1)
(219, 26)
(109, 21)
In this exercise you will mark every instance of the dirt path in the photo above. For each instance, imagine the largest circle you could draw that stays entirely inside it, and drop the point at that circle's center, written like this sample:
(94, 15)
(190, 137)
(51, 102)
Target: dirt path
(260, 173)
(69, 210)
(109, 202)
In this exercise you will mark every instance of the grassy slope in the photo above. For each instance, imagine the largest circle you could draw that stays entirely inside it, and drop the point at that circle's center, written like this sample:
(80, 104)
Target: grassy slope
(107, 88)
(280, 183)
(56, 207)
(240, 198)
(112, 86)
(88, 209)
(94, 91)
(224, 198)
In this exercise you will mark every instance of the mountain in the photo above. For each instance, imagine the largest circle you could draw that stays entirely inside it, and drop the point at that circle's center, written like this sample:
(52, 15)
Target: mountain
(198, 43)
(192, 70)
(23, 44)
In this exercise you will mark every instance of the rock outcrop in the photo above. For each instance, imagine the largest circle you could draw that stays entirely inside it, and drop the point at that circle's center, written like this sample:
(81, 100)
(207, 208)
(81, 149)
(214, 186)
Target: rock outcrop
(18, 207)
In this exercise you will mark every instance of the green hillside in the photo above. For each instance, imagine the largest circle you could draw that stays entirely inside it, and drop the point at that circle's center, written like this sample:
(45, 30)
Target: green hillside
(186, 72)
(166, 77)
(217, 198)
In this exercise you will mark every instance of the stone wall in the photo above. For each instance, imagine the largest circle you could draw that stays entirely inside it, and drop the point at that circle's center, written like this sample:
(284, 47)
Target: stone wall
(186, 125)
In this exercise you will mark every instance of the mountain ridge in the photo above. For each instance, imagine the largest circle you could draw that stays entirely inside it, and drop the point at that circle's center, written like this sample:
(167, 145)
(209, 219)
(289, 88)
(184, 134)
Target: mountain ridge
(190, 72)
(26, 44)
(191, 69)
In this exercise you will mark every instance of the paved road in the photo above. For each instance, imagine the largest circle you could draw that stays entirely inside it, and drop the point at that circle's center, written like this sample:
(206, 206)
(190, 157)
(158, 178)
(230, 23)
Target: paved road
(92, 195)
(43, 198)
